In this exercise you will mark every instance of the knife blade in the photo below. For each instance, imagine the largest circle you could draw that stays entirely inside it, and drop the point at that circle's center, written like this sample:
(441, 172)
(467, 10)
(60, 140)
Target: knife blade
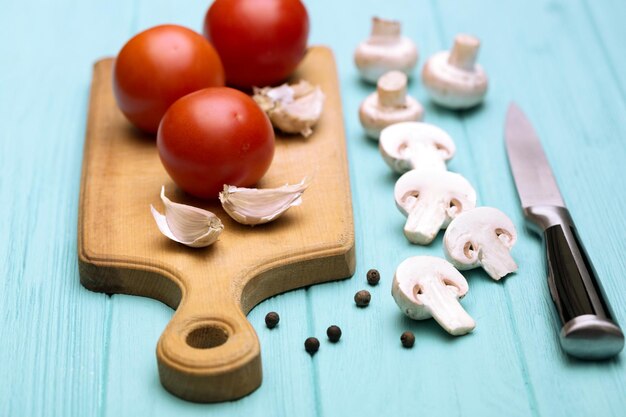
(588, 330)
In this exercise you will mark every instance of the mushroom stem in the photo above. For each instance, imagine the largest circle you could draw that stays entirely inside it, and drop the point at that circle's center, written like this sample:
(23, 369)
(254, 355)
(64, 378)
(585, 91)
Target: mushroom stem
(424, 221)
(464, 52)
(384, 30)
(442, 302)
(426, 157)
(391, 89)
(497, 261)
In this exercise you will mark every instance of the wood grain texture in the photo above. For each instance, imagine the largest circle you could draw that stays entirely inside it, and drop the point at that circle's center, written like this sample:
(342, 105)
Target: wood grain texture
(288, 384)
(478, 374)
(209, 352)
(70, 352)
(574, 133)
(52, 331)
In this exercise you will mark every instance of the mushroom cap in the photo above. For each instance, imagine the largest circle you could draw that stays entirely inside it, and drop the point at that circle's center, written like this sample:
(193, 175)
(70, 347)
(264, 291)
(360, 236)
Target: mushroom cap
(403, 144)
(451, 188)
(373, 58)
(453, 87)
(415, 272)
(375, 118)
(476, 232)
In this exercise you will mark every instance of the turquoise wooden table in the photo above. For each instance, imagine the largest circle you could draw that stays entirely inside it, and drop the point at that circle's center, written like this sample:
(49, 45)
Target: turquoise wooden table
(65, 351)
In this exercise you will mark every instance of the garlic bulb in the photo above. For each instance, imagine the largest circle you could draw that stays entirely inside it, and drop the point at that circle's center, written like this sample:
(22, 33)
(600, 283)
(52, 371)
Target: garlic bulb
(292, 108)
(254, 206)
(191, 226)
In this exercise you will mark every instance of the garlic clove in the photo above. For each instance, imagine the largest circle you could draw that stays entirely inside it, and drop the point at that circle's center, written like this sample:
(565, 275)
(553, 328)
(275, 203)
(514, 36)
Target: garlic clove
(252, 206)
(191, 226)
(292, 108)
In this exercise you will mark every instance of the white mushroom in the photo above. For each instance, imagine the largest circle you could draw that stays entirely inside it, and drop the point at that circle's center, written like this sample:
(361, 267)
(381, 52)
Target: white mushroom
(415, 145)
(426, 286)
(385, 50)
(481, 237)
(430, 200)
(389, 105)
(453, 79)
(294, 108)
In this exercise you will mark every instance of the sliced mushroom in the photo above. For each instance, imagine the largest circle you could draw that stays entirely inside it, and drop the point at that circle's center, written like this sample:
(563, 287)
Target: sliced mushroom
(415, 145)
(426, 286)
(389, 105)
(385, 50)
(481, 237)
(453, 79)
(430, 200)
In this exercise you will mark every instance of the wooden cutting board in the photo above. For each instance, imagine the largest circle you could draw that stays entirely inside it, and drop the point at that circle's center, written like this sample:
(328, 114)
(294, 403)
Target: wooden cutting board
(209, 351)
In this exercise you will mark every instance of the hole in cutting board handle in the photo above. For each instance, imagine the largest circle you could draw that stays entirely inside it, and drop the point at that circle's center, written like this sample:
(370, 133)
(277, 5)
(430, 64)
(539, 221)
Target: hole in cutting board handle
(207, 337)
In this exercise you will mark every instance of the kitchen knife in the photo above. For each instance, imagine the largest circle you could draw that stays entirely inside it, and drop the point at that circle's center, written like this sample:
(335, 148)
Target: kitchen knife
(588, 330)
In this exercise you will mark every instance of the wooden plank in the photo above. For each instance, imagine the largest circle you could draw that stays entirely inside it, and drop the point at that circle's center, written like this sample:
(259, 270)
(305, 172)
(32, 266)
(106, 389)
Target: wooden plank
(53, 332)
(575, 111)
(608, 34)
(369, 370)
(513, 394)
(134, 388)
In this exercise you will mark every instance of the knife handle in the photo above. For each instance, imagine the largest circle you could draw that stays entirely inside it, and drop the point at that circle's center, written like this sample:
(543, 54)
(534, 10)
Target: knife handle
(588, 330)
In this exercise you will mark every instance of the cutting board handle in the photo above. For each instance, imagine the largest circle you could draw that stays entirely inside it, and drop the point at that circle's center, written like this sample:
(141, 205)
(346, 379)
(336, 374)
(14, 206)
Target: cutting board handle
(209, 356)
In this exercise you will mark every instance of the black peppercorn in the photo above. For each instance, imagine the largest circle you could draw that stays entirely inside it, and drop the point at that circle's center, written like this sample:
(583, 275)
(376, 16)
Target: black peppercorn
(373, 277)
(271, 319)
(334, 333)
(311, 345)
(407, 339)
(362, 298)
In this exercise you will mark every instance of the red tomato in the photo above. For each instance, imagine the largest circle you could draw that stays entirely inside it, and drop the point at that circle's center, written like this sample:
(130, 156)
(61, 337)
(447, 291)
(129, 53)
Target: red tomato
(157, 67)
(260, 42)
(213, 137)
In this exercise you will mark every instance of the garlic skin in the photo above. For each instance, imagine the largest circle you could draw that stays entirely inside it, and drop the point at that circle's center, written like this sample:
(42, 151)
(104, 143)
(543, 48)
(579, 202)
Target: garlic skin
(191, 226)
(292, 108)
(252, 206)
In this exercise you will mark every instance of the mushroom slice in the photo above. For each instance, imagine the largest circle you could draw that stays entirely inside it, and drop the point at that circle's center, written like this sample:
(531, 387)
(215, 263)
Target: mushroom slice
(252, 206)
(427, 286)
(191, 226)
(453, 79)
(389, 105)
(385, 50)
(415, 145)
(481, 237)
(430, 200)
(292, 108)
